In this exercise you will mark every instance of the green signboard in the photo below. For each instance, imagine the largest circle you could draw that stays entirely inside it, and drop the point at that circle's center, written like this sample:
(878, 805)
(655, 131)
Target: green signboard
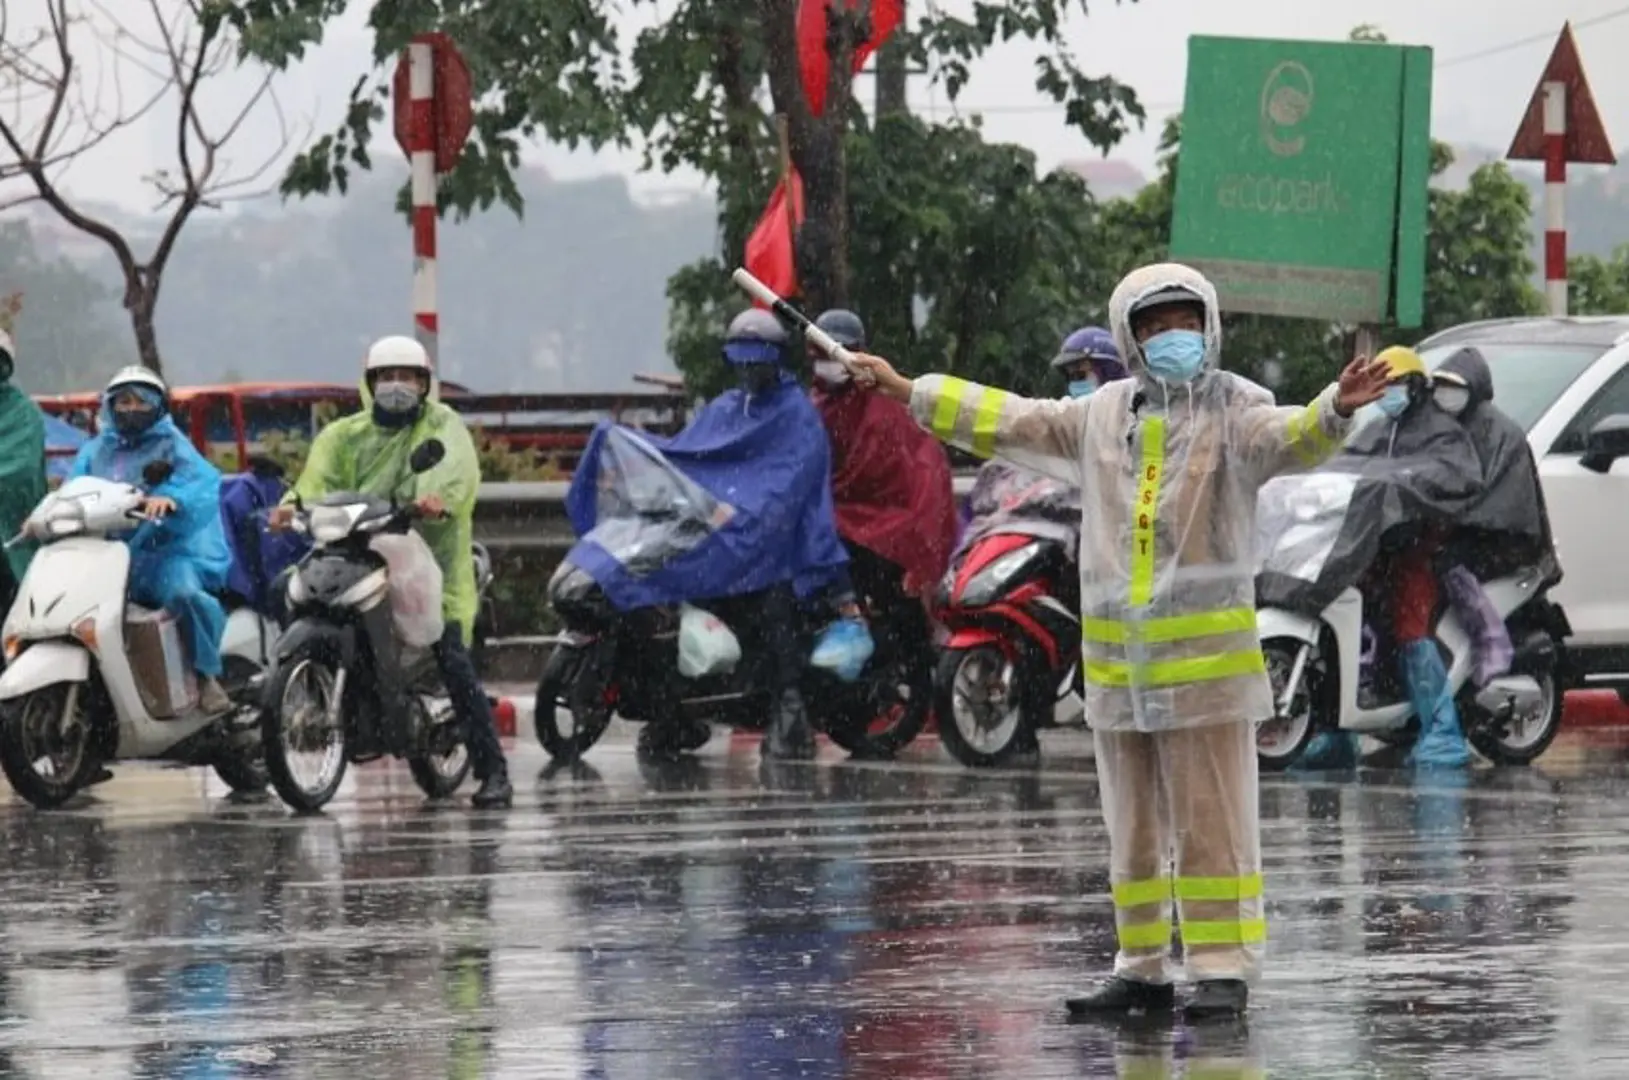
(1301, 185)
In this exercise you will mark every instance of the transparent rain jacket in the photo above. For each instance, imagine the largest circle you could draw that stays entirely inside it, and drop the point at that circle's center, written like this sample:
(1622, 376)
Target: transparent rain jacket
(1168, 480)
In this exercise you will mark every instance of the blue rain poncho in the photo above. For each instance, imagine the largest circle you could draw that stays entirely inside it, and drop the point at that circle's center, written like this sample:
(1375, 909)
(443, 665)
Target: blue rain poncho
(175, 563)
(763, 464)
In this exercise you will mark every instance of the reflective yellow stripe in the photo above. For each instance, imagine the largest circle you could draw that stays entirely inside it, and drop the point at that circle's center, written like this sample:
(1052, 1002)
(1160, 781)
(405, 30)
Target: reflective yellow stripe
(1170, 628)
(1151, 935)
(948, 407)
(1223, 932)
(985, 417)
(1114, 673)
(1148, 499)
(1219, 888)
(1137, 893)
(1307, 438)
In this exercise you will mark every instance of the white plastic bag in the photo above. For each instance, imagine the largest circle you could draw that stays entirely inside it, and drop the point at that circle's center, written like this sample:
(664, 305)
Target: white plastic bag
(706, 645)
(415, 588)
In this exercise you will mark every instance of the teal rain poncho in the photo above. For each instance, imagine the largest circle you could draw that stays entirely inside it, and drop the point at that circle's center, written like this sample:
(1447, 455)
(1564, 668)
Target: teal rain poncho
(22, 461)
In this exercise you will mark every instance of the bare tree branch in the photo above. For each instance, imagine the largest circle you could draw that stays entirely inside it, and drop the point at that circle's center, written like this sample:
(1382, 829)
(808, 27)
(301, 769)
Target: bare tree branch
(69, 85)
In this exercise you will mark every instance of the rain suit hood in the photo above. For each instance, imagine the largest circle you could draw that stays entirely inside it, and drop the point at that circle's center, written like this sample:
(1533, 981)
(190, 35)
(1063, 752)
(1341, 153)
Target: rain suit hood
(355, 454)
(890, 482)
(1143, 283)
(193, 531)
(764, 470)
(1170, 475)
(1469, 368)
(22, 469)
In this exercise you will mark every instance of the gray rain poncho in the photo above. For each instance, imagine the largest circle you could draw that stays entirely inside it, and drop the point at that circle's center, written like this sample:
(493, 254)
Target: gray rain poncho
(1168, 478)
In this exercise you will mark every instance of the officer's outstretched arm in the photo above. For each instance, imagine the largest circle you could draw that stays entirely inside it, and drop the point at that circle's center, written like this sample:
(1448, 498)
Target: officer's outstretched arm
(1038, 434)
(1285, 439)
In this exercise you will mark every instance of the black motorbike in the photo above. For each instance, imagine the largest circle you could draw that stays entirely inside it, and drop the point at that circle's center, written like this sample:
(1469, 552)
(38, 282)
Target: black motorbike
(610, 662)
(343, 688)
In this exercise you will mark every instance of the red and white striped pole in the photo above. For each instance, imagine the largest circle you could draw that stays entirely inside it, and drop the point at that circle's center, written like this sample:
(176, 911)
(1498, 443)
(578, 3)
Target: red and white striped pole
(1555, 196)
(422, 160)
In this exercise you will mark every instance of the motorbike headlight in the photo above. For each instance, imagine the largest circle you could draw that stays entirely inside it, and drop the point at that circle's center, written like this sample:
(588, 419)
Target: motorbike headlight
(65, 518)
(297, 592)
(329, 524)
(988, 583)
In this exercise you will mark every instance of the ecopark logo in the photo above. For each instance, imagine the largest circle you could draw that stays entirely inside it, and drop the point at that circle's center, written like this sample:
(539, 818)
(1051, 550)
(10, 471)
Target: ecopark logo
(1286, 101)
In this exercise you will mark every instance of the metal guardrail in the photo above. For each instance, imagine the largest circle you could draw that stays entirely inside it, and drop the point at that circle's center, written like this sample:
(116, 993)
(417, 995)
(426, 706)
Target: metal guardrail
(531, 517)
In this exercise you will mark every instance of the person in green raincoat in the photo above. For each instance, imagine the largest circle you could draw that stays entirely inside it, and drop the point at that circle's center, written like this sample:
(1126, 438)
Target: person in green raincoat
(22, 469)
(368, 452)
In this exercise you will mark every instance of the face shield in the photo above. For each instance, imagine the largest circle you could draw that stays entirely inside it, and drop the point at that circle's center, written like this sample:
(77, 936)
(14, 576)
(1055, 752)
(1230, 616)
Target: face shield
(135, 409)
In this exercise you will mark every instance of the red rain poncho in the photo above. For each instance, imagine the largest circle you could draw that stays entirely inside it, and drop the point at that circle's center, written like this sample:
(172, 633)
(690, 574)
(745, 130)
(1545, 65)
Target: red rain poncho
(891, 483)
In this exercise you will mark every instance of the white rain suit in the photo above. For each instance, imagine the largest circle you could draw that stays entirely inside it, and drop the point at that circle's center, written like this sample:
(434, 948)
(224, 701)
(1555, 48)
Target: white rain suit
(1174, 674)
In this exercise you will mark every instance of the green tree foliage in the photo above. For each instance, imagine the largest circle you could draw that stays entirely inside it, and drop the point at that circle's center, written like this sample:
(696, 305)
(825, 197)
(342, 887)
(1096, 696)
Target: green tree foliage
(687, 91)
(1597, 286)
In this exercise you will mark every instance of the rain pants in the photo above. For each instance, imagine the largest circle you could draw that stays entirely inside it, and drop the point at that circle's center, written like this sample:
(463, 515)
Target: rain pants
(1174, 674)
(177, 563)
(355, 454)
(22, 469)
(891, 484)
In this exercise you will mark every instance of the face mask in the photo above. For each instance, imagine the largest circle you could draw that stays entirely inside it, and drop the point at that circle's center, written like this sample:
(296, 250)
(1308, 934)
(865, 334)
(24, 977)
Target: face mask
(831, 372)
(1175, 355)
(1079, 388)
(1394, 402)
(396, 397)
(1452, 400)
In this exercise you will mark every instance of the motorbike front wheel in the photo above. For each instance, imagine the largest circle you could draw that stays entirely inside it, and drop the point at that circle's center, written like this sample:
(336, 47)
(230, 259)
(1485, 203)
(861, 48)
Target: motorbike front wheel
(987, 712)
(440, 771)
(557, 688)
(304, 729)
(1281, 740)
(46, 746)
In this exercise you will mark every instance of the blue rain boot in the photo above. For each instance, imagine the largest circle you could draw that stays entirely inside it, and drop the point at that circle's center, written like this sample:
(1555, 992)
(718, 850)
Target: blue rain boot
(1327, 752)
(1442, 742)
(843, 649)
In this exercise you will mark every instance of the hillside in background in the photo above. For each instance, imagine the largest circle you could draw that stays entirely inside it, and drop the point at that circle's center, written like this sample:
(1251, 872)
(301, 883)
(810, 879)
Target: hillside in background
(570, 297)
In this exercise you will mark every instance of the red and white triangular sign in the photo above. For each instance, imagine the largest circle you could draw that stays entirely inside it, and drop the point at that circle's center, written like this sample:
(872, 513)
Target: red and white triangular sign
(1586, 139)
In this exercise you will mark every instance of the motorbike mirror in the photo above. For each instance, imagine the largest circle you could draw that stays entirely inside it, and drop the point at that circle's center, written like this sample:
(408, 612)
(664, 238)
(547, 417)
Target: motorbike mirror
(156, 472)
(1606, 443)
(427, 455)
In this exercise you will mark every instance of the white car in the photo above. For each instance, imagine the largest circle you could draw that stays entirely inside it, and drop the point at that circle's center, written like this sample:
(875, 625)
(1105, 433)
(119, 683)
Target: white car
(1566, 382)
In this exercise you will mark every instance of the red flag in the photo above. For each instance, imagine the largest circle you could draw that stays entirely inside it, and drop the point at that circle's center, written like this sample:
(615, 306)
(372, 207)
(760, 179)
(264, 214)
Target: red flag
(769, 255)
(813, 60)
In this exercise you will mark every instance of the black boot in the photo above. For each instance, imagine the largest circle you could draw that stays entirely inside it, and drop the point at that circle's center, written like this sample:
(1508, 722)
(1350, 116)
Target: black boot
(1217, 999)
(1121, 996)
(494, 792)
(790, 738)
(670, 737)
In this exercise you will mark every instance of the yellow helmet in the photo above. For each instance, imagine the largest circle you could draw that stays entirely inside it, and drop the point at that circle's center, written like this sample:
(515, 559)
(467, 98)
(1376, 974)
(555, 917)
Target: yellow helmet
(1401, 362)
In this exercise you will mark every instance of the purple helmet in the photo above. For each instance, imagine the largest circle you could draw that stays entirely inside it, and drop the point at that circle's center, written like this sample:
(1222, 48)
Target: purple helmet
(1095, 344)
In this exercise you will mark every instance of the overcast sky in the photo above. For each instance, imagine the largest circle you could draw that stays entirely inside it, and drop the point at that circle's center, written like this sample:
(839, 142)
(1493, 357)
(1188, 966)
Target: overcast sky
(1478, 98)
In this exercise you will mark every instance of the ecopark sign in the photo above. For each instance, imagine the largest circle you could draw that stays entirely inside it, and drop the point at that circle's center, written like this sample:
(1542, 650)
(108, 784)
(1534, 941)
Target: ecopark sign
(1302, 177)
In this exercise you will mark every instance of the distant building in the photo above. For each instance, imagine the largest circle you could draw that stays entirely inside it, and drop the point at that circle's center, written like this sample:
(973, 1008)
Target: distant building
(1108, 178)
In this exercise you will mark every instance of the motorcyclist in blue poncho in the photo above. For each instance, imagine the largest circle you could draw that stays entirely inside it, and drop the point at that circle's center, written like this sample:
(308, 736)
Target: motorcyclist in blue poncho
(762, 449)
(178, 555)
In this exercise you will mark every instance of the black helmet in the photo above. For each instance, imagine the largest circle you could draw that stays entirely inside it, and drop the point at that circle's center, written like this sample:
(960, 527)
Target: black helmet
(755, 337)
(843, 327)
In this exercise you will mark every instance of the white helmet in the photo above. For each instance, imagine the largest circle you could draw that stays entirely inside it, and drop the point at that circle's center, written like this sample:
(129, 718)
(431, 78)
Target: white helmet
(397, 351)
(137, 375)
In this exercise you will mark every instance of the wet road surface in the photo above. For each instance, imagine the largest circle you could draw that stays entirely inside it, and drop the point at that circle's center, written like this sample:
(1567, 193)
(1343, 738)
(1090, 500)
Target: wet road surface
(712, 920)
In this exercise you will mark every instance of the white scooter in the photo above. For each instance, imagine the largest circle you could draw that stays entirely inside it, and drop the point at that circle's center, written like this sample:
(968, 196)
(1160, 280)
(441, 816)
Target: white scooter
(1314, 668)
(91, 679)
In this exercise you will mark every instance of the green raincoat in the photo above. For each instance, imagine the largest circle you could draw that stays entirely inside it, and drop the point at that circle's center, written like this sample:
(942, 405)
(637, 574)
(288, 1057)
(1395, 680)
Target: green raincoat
(22, 468)
(355, 454)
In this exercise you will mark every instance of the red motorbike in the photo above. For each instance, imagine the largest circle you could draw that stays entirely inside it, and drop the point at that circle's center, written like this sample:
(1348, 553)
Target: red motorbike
(1012, 609)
